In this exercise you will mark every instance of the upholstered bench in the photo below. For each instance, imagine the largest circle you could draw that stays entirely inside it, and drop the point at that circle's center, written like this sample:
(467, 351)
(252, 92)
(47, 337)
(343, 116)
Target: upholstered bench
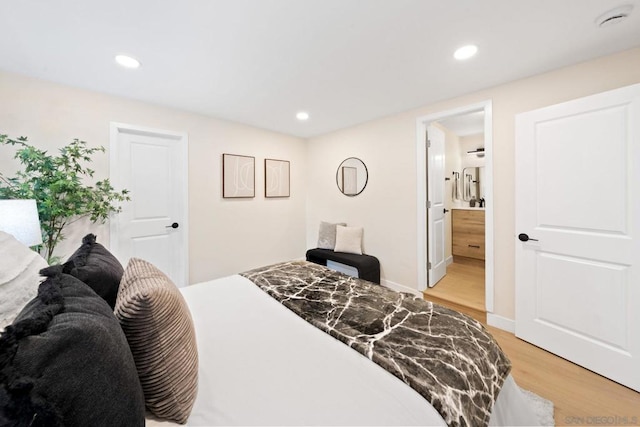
(368, 266)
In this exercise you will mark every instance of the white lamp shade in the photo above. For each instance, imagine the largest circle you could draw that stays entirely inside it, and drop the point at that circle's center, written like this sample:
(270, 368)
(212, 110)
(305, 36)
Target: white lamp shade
(20, 219)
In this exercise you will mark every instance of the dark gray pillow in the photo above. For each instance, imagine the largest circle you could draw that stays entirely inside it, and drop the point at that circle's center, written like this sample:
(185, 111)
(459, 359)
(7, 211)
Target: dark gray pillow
(97, 267)
(65, 361)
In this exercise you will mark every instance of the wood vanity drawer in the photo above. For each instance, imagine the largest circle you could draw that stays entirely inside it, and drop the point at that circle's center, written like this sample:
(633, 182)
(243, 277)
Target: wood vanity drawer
(468, 247)
(468, 233)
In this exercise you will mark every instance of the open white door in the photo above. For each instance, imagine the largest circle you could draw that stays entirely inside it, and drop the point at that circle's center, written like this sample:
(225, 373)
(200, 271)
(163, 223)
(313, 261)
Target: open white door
(436, 208)
(152, 165)
(578, 195)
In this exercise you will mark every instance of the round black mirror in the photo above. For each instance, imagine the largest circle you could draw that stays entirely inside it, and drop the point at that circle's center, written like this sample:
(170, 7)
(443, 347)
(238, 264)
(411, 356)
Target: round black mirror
(352, 176)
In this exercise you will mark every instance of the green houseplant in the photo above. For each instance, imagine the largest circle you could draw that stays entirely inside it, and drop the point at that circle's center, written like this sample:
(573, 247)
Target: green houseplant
(59, 184)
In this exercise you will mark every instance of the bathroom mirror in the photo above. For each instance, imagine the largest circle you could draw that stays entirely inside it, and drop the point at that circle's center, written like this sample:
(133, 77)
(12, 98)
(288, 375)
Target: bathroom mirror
(473, 183)
(352, 176)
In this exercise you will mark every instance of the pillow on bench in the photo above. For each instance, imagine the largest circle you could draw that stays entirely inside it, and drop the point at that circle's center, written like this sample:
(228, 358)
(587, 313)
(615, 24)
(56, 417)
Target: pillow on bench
(349, 240)
(327, 235)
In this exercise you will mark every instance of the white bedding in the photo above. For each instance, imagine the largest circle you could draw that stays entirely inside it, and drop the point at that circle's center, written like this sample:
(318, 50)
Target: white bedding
(260, 364)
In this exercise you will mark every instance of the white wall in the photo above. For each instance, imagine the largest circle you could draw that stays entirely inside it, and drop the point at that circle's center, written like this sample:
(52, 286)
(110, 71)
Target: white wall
(471, 143)
(231, 236)
(387, 208)
(225, 236)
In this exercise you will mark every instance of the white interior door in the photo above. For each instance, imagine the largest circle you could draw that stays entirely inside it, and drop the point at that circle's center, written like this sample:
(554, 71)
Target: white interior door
(436, 205)
(152, 165)
(578, 194)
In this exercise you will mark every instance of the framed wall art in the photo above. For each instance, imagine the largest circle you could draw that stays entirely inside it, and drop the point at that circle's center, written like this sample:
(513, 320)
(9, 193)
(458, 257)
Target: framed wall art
(238, 176)
(276, 178)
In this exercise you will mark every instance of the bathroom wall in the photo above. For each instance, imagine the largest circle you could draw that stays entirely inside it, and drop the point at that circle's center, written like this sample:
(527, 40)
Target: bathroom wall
(471, 143)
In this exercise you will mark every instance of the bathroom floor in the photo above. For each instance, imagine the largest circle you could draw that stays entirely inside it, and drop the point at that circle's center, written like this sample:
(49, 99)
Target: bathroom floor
(463, 284)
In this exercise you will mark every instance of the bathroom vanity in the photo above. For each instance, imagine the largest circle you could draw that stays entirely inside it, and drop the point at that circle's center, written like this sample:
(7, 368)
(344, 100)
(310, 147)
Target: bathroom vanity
(468, 232)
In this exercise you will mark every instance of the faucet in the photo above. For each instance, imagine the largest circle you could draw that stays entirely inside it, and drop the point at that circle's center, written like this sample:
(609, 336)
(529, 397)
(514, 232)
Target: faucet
(481, 203)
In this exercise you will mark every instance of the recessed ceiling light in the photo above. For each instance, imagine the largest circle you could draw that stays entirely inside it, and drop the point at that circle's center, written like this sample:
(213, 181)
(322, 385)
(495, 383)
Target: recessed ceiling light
(302, 115)
(465, 52)
(127, 61)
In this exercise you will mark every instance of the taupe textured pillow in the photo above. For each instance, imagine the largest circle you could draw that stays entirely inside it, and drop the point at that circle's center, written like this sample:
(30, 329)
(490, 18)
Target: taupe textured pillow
(157, 323)
(327, 235)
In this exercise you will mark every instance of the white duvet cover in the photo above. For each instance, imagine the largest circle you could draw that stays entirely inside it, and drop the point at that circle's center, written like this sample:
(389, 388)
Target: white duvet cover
(260, 364)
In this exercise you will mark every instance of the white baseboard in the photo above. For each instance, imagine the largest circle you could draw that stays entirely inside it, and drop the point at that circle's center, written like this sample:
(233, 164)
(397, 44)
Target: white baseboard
(500, 322)
(400, 288)
(449, 260)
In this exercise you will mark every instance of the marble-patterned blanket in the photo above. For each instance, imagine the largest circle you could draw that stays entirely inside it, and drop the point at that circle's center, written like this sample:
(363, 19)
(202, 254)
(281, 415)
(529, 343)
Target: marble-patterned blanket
(447, 357)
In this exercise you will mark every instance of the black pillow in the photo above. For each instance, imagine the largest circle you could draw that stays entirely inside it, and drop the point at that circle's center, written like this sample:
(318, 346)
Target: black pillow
(65, 361)
(97, 267)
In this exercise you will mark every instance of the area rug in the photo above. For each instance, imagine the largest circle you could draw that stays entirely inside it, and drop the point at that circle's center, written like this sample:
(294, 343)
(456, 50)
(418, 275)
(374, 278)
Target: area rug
(542, 407)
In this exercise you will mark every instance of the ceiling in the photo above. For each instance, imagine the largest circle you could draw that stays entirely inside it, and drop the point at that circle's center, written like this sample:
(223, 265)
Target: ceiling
(343, 61)
(465, 124)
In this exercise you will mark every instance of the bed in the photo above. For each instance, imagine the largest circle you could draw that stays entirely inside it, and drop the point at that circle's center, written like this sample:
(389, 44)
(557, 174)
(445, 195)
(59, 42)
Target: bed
(289, 372)
(260, 363)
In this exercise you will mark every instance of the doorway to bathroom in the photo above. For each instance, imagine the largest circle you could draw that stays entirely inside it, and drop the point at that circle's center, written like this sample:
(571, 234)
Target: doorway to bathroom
(466, 184)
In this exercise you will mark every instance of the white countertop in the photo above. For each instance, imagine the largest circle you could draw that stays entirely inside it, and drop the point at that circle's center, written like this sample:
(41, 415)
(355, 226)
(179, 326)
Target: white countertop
(468, 208)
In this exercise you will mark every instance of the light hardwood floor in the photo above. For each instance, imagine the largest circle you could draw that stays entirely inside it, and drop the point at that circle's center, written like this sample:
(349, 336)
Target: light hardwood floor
(462, 288)
(580, 396)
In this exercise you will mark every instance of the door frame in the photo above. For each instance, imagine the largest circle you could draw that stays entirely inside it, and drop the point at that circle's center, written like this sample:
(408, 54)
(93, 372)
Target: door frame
(182, 139)
(421, 129)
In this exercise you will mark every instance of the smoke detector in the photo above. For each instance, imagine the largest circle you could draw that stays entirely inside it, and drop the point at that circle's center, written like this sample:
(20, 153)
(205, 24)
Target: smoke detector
(614, 16)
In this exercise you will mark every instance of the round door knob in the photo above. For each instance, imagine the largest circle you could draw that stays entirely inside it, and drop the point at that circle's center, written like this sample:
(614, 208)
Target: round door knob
(523, 237)
(174, 225)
